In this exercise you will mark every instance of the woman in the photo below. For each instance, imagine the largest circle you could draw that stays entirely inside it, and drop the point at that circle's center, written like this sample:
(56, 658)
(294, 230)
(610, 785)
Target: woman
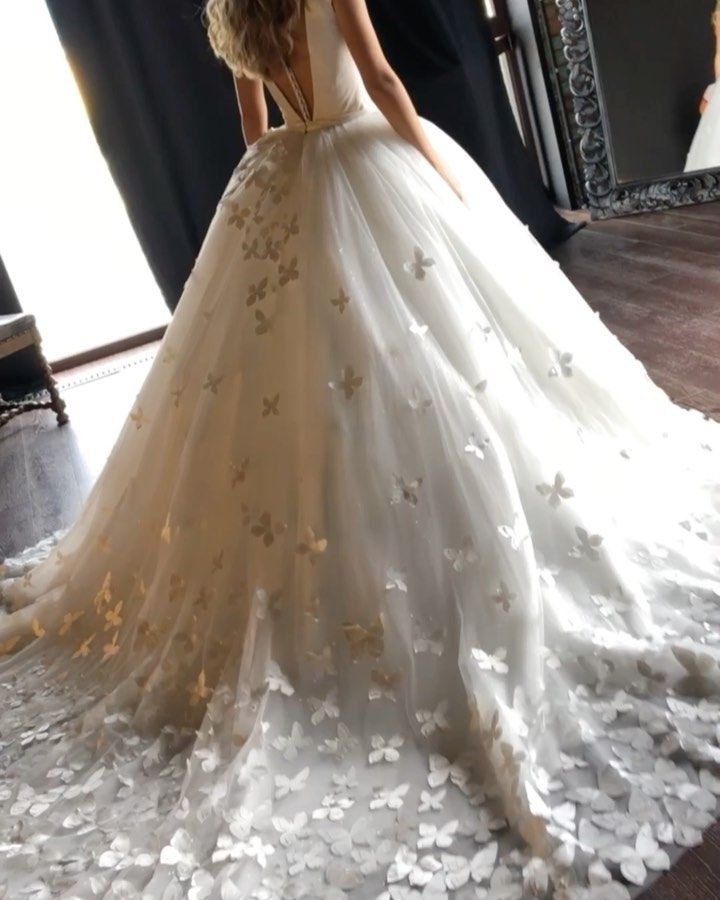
(705, 148)
(401, 579)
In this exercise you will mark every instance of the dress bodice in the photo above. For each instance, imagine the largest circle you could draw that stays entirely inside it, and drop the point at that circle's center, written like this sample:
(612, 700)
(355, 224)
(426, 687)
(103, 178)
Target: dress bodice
(338, 89)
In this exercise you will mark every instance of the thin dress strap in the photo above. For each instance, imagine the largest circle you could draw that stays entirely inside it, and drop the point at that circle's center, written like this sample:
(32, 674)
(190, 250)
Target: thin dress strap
(299, 96)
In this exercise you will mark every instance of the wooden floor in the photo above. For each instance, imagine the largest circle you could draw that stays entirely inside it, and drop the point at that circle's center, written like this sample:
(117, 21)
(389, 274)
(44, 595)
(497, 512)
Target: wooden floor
(46, 471)
(655, 281)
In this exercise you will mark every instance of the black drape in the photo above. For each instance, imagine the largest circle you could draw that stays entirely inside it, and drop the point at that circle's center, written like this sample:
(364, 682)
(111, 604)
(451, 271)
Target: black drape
(164, 116)
(445, 54)
(20, 372)
(164, 112)
(9, 302)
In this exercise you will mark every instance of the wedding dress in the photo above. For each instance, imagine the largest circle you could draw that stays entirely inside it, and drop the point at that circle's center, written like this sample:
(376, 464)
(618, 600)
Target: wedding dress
(705, 148)
(401, 580)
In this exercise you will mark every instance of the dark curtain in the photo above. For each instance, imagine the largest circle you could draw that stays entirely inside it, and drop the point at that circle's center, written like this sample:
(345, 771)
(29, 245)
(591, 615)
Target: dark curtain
(20, 372)
(9, 302)
(163, 110)
(445, 54)
(164, 116)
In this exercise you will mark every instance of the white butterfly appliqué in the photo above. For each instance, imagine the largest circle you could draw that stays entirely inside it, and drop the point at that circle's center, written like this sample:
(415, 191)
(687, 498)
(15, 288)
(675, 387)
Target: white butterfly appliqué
(431, 835)
(491, 662)
(517, 533)
(418, 265)
(562, 364)
(324, 708)
(290, 745)
(385, 749)
(433, 720)
(291, 830)
(389, 798)
(285, 785)
(463, 556)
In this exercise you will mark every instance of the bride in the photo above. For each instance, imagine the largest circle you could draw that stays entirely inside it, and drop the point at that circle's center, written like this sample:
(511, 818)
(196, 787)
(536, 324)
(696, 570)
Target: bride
(704, 151)
(402, 578)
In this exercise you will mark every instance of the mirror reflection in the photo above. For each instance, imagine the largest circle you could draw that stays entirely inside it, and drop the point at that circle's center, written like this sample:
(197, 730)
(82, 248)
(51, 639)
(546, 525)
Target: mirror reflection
(658, 63)
(705, 149)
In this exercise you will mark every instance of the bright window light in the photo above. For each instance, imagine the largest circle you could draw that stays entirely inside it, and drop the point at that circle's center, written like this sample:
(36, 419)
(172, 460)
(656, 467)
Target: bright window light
(65, 236)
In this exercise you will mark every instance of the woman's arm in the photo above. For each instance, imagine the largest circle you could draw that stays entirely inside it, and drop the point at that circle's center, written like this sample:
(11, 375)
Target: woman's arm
(383, 85)
(250, 95)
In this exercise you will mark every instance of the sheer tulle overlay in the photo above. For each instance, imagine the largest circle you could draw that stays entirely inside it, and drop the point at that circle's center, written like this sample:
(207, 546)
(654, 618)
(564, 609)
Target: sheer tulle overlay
(401, 580)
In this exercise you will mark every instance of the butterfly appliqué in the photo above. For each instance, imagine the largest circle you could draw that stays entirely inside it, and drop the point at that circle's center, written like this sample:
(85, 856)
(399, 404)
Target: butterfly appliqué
(419, 264)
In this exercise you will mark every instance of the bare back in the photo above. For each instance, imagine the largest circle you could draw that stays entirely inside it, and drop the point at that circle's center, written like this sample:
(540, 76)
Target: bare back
(301, 70)
(322, 82)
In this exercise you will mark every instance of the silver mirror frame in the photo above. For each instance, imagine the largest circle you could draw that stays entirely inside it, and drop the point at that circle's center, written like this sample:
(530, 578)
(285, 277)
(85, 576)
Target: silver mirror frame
(585, 129)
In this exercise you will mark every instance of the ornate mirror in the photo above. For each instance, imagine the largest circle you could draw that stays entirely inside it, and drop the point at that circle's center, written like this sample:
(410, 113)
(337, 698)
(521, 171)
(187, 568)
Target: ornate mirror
(636, 89)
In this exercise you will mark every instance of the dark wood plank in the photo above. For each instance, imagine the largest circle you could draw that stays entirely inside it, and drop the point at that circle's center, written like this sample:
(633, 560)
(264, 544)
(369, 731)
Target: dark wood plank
(46, 472)
(17, 527)
(611, 260)
(658, 288)
(54, 494)
(686, 299)
(594, 240)
(708, 211)
(708, 226)
(677, 239)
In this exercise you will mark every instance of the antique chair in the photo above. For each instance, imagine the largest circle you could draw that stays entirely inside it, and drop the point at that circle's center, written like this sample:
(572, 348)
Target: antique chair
(17, 332)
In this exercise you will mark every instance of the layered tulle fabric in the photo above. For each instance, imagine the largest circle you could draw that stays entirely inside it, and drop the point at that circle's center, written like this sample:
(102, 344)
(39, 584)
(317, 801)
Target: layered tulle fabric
(401, 580)
(705, 148)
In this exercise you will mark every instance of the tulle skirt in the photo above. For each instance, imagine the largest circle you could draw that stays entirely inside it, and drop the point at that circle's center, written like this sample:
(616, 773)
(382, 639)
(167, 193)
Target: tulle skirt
(401, 579)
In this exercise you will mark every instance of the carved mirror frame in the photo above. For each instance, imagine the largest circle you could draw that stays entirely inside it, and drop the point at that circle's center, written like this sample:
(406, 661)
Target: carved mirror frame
(584, 127)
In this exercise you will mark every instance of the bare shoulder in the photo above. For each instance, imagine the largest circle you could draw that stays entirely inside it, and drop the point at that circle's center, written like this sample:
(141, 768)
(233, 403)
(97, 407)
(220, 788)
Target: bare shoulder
(359, 33)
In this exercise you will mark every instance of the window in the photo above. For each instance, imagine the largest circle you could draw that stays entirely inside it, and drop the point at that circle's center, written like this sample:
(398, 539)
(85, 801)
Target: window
(65, 236)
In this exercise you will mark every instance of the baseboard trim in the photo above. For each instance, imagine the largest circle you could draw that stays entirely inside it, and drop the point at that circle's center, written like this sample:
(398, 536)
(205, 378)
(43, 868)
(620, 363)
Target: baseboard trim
(98, 353)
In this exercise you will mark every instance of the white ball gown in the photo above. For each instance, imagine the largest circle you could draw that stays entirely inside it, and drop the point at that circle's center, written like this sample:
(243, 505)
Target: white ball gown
(401, 580)
(705, 148)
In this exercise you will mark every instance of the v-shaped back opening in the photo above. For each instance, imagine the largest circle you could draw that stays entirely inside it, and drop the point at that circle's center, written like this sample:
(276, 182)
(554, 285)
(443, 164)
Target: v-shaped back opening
(293, 92)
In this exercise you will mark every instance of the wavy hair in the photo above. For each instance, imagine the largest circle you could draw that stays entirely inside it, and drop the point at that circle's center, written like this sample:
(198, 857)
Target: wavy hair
(252, 36)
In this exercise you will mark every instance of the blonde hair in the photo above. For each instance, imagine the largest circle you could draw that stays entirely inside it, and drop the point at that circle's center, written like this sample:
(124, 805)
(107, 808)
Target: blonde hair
(252, 36)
